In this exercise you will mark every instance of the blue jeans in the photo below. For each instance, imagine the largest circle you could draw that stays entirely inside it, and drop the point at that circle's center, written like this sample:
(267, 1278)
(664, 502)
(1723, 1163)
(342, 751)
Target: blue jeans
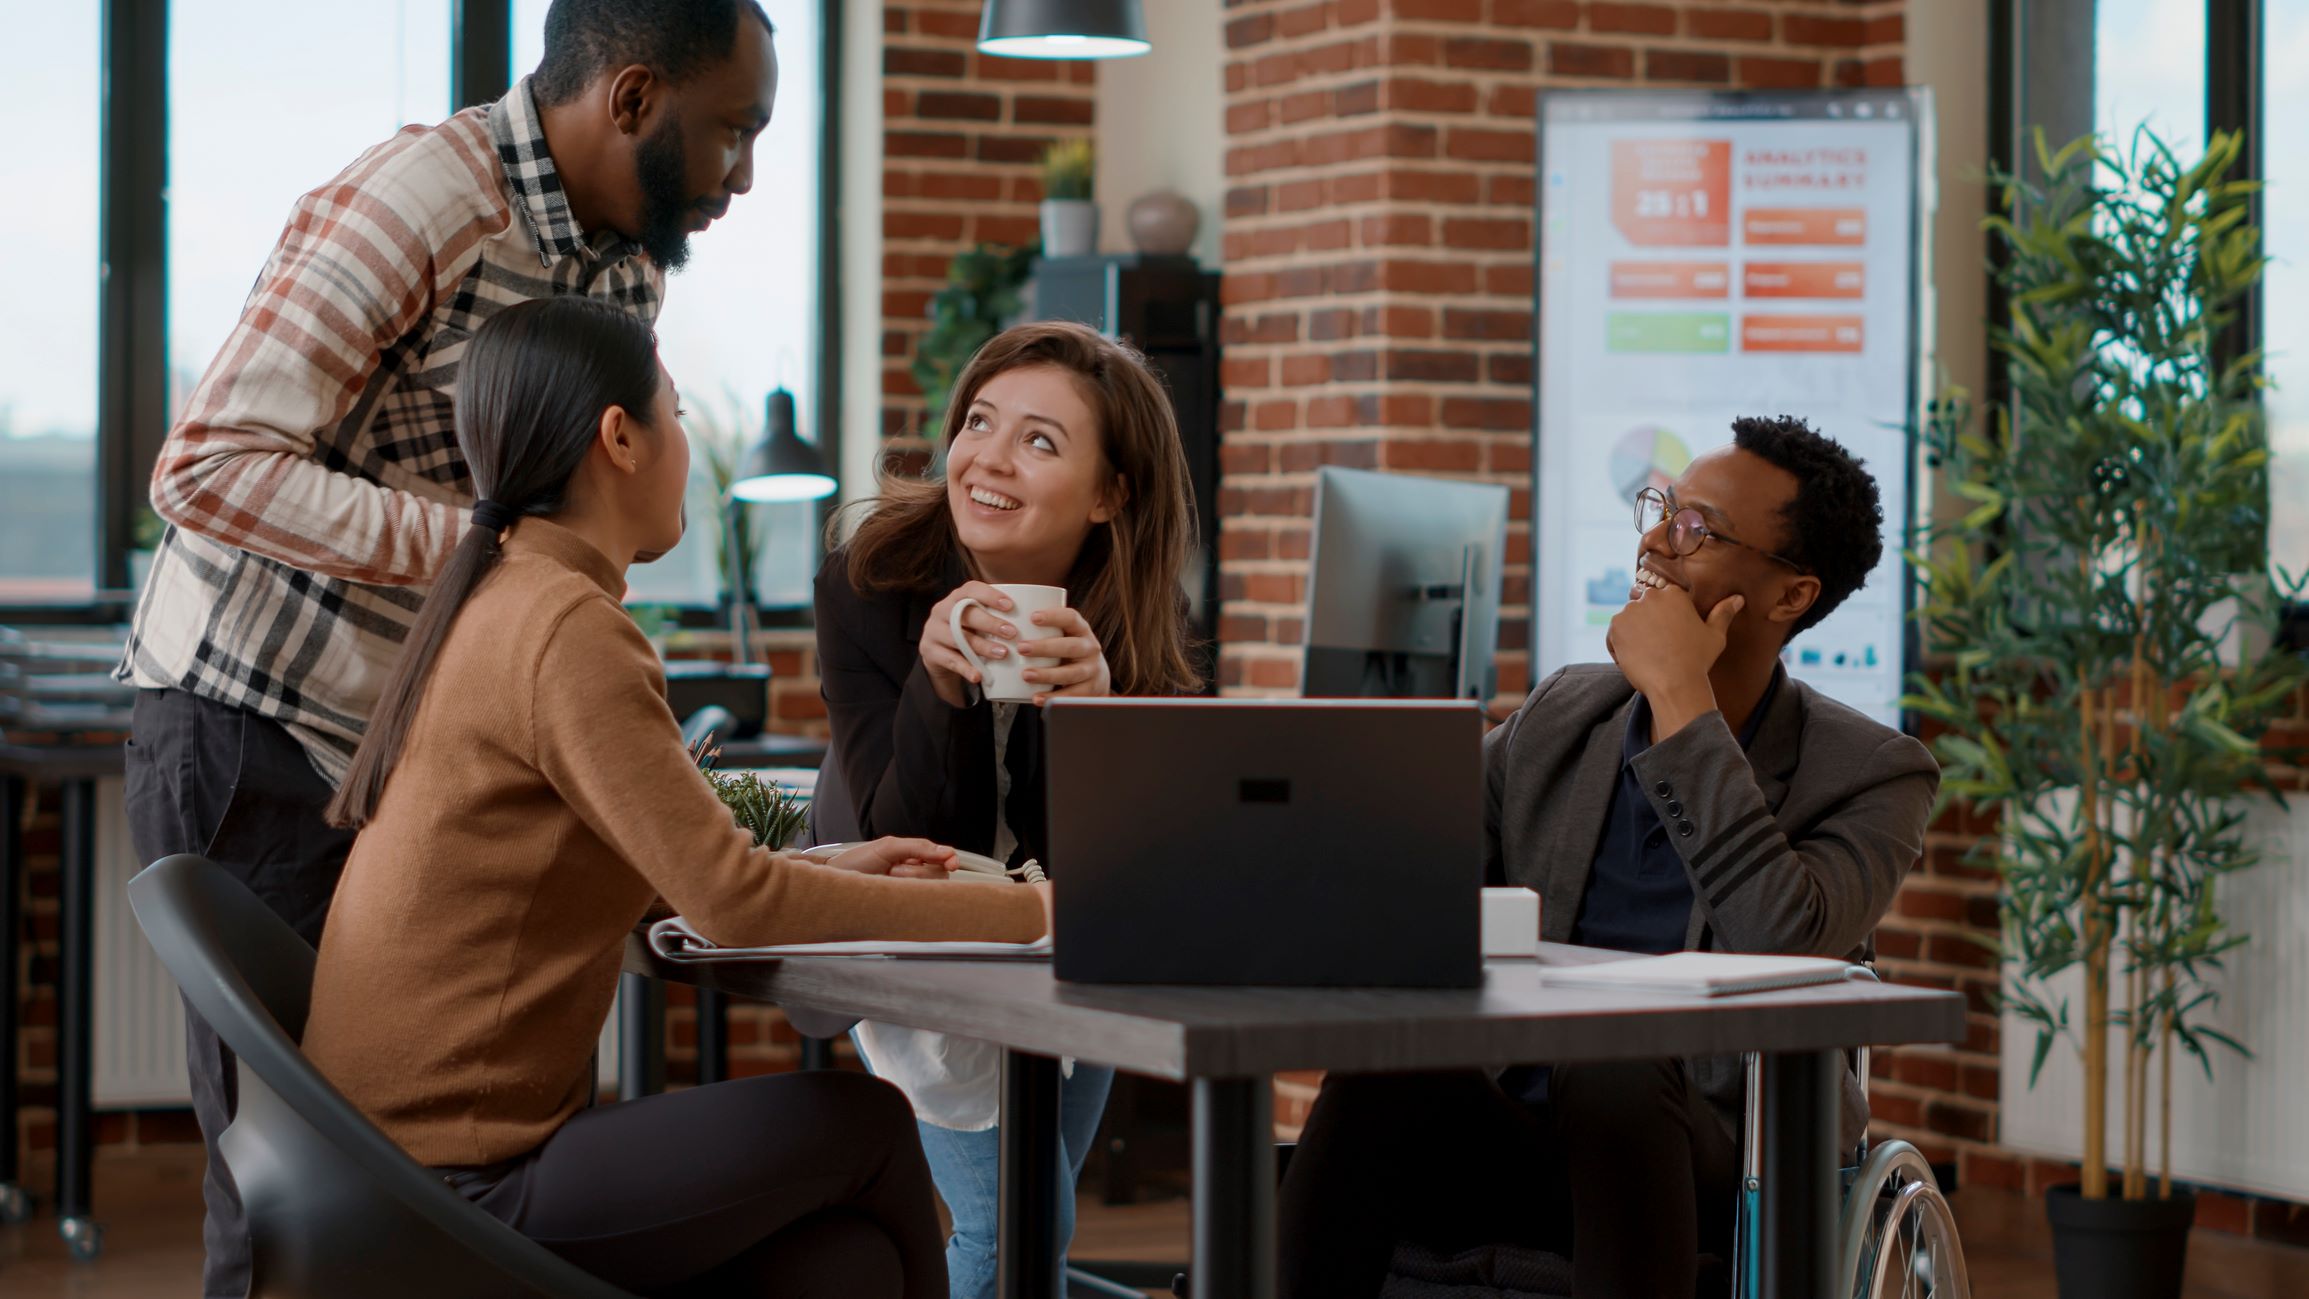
(965, 1164)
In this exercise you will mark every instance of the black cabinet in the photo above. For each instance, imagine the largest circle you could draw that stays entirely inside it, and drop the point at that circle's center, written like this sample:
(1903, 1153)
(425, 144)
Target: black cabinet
(1168, 308)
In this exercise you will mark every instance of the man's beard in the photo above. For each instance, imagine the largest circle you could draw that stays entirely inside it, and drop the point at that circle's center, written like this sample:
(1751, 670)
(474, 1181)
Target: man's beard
(659, 164)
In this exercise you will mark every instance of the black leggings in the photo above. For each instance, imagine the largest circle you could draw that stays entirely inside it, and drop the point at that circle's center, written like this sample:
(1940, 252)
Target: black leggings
(1626, 1170)
(806, 1184)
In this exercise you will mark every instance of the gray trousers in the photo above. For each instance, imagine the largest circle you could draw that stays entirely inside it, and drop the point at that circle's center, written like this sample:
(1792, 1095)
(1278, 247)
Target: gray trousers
(207, 778)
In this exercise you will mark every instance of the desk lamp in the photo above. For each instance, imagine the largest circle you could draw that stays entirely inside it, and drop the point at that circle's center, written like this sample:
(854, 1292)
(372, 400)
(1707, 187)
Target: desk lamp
(781, 468)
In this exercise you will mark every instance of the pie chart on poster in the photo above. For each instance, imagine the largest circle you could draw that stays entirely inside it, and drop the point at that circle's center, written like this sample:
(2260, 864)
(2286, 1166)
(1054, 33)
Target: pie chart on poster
(1647, 457)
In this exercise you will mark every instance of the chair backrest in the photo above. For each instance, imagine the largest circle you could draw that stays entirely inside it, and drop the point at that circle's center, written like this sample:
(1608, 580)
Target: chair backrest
(334, 1208)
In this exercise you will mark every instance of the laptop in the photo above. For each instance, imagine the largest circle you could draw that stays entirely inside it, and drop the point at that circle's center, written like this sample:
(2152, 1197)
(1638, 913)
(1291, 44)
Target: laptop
(1322, 843)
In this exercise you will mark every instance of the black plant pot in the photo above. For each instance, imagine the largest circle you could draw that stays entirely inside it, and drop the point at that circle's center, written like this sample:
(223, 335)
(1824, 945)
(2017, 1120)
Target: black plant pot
(2119, 1249)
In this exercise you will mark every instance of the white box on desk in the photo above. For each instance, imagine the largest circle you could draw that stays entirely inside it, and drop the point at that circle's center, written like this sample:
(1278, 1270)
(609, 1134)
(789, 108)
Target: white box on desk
(1510, 922)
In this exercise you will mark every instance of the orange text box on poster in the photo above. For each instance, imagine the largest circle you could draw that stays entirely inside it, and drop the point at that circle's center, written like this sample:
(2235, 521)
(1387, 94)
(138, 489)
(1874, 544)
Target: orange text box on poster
(1819, 226)
(1800, 334)
(1671, 280)
(1803, 280)
(1672, 193)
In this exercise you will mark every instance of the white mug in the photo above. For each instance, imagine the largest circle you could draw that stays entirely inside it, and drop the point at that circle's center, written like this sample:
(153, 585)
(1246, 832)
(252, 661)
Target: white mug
(1004, 678)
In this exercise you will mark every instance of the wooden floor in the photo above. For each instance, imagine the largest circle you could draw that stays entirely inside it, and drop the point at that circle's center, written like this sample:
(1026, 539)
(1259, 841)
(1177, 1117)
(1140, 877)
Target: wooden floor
(149, 1205)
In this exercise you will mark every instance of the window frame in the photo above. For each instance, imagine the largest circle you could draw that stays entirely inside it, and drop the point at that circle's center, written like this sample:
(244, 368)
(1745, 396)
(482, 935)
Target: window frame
(2236, 97)
(132, 333)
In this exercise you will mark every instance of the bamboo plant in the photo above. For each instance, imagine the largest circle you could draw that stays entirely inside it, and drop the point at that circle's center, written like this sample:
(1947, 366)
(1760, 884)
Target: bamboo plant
(2107, 612)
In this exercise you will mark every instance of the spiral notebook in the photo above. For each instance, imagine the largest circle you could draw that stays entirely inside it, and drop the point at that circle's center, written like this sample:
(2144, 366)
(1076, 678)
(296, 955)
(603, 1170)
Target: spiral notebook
(1700, 974)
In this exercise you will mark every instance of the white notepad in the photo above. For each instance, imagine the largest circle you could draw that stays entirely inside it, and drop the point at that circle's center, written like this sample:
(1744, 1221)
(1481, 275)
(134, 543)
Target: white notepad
(1700, 974)
(674, 940)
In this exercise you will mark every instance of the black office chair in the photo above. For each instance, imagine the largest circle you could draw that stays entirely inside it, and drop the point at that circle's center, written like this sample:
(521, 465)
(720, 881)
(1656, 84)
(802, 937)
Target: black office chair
(335, 1209)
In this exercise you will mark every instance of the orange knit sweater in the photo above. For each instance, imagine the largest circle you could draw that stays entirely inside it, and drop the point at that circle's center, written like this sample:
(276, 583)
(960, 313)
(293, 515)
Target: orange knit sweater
(541, 800)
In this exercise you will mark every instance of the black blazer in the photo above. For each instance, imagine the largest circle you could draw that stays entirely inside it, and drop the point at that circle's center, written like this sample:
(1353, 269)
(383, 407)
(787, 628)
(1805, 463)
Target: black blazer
(902, 761)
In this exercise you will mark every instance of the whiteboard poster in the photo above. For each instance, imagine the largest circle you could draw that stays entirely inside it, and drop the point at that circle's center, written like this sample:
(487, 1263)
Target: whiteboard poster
(1702, 257)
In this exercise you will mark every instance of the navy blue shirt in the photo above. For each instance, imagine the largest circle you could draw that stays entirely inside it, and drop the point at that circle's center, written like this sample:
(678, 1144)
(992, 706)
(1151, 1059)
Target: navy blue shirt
(1639, 897)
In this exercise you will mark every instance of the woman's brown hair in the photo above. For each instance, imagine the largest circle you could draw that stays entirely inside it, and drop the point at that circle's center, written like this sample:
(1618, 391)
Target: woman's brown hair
(1126, 580)
(531, 390)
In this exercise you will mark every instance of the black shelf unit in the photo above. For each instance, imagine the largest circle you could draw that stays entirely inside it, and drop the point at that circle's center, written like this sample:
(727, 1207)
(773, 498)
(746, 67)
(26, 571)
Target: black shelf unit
(1168, 308)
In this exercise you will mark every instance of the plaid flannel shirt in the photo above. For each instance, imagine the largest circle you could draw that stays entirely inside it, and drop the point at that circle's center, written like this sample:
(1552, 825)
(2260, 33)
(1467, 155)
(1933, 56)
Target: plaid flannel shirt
(313, 485)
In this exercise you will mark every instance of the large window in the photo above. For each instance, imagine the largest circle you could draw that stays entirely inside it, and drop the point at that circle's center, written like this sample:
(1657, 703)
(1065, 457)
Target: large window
(2149, 70)
(742, 319)
(266, 103)
(48, 333)
(2285, 293)
(2150, 67)
(265, 100)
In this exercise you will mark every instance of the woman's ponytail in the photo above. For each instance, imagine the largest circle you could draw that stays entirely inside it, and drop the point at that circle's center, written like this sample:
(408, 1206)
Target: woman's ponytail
(531, 390)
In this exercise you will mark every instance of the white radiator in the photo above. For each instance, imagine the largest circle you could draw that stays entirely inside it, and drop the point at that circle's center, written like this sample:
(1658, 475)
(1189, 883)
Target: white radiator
(2248, 1128)
(139, 1030)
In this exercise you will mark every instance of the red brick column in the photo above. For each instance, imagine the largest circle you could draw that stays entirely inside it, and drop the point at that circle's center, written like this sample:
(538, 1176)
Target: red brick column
(962, 135)
(1378, 246)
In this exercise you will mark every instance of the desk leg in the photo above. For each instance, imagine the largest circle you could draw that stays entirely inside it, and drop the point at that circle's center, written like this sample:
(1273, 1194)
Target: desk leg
(15, 1205)
(713, 1019)
(76, 1009)
(640, 1037)
(1234, 1170)
(1797, 1240)
(1026, 1235)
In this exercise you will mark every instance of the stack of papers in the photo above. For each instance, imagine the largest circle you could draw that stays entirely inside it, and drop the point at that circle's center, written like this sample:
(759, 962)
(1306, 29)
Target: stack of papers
(673, 940)
(1700, 974)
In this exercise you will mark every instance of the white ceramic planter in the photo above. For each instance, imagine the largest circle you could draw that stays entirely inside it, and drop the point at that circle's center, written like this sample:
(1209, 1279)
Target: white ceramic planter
(1069, 227)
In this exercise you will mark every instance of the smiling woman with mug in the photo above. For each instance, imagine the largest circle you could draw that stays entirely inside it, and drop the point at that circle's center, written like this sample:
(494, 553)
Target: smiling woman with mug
(522, 794)
(1062, 521)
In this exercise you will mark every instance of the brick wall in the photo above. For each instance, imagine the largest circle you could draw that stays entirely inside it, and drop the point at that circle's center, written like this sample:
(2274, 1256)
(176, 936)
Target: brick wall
(1378, 247)
(1378, 292)
(1378, 311)
(963, 134)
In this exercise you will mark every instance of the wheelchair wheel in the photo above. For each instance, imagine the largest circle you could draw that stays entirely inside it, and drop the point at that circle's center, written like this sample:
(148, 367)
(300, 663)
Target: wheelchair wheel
(1897, 1239)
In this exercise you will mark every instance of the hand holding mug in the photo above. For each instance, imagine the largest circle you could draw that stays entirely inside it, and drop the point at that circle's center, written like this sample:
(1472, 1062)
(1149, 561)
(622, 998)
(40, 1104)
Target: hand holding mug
(1069, 661)
(984, 621)
(989, 628)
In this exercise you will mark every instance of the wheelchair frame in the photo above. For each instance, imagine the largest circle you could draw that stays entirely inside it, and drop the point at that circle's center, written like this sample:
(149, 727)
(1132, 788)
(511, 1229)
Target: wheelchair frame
(1894, 1166)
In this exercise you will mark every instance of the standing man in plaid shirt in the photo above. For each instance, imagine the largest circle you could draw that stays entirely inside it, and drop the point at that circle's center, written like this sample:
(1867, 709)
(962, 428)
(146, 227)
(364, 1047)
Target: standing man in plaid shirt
(313, 485)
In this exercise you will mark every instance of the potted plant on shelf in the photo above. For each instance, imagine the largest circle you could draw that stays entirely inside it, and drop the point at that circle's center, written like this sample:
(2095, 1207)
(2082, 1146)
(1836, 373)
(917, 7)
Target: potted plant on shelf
(982, 294)
(2108, 617)
(762, 808)
(1069, 217)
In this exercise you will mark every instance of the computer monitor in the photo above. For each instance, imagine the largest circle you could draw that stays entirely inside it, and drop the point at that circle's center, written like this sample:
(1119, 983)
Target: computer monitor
(1403, 592)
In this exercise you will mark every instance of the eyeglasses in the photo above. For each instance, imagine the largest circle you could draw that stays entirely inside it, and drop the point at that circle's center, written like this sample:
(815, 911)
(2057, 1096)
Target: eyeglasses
(1688, 529)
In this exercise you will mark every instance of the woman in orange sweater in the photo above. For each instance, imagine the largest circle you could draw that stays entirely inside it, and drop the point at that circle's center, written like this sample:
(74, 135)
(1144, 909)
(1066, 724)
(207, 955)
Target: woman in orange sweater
(523, 794)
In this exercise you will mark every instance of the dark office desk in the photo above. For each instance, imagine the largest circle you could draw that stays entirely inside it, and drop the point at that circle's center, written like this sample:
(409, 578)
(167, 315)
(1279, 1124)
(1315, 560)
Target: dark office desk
(1227, 1042)
(74, 770)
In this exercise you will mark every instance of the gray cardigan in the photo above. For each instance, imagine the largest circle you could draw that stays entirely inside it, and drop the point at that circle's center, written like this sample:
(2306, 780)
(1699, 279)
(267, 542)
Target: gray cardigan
(1795, 845)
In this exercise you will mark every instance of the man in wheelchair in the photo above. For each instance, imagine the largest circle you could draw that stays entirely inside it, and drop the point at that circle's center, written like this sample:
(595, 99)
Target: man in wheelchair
(1687, 796)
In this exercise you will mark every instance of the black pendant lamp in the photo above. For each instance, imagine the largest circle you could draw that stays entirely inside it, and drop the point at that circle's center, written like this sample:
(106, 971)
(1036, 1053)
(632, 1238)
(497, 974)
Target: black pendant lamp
(782, 467)
(1063, 29)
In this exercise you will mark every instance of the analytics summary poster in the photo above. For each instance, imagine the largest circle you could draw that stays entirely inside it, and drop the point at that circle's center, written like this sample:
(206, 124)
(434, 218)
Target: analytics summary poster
(1702, 257)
